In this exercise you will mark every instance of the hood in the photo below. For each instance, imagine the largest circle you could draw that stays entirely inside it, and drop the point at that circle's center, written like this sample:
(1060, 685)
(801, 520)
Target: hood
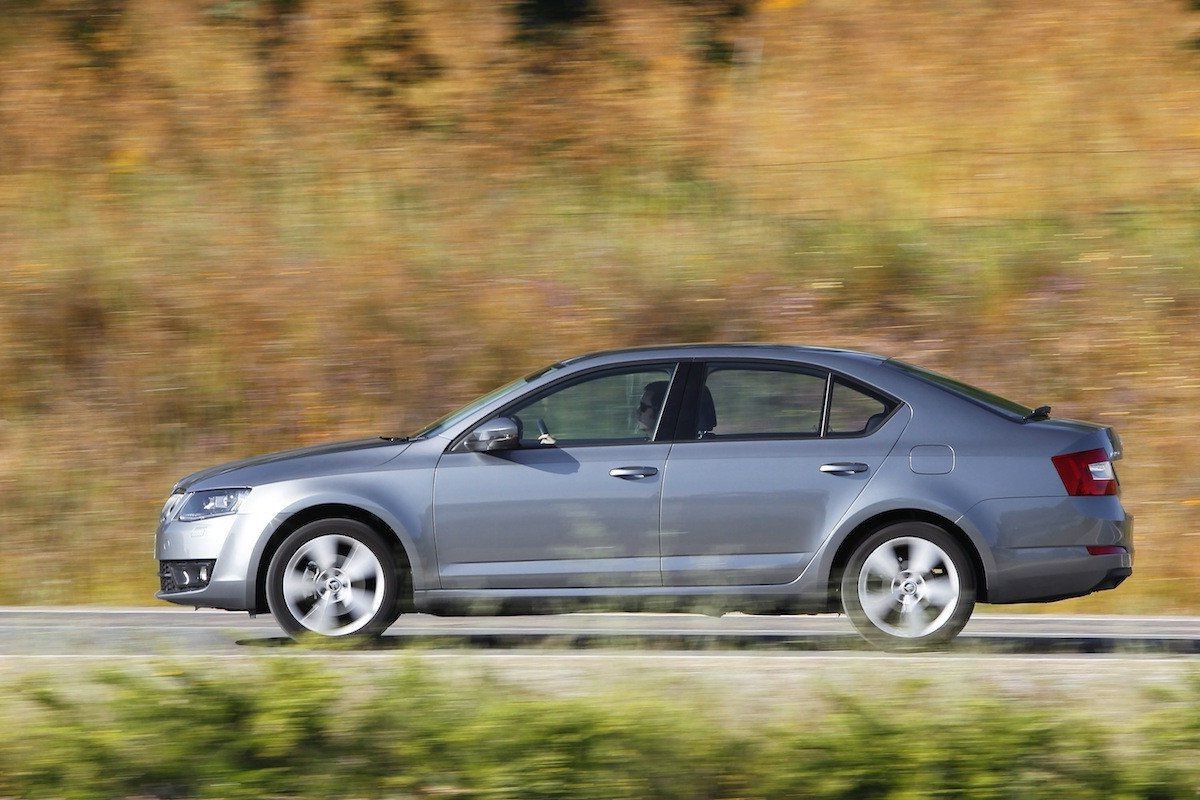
(305, 461)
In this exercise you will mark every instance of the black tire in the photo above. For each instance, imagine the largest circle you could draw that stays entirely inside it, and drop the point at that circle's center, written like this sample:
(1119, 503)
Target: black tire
(347, 530)
(903, 536)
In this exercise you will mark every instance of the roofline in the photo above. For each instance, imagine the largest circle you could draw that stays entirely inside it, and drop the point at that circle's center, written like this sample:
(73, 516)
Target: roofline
(621, 351)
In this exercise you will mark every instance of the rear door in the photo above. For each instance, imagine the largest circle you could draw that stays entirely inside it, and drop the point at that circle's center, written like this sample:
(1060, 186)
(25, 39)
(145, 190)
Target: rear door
(769, 455)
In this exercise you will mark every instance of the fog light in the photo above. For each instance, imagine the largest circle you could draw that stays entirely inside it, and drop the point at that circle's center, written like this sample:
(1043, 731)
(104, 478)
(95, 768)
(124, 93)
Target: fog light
(184, 576)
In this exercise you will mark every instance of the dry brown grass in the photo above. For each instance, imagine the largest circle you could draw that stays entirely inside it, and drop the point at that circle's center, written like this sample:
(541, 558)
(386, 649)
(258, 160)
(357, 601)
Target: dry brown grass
(222, 234)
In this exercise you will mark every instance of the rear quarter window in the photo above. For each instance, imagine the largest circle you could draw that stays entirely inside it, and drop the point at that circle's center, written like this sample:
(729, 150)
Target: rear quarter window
(855, 413)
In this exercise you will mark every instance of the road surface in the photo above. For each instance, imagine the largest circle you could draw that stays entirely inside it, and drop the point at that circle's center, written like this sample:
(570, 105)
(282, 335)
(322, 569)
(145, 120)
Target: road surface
(49, 633)
(759, 666)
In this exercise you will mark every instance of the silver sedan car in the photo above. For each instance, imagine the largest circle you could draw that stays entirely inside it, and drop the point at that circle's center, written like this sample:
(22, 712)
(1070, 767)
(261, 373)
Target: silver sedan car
(766, 478)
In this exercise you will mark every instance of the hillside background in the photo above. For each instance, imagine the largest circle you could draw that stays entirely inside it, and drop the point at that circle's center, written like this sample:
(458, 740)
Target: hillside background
(237, 226)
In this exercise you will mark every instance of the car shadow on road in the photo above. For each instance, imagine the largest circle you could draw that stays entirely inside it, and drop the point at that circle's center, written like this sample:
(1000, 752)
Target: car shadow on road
(964, 645)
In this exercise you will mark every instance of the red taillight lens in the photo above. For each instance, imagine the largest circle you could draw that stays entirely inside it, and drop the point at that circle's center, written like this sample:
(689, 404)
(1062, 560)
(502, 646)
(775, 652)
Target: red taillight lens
(1106, 550)
(1087, 473)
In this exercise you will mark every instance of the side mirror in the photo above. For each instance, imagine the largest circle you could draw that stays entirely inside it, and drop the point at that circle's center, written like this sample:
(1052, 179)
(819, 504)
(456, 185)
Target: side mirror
(498, 434)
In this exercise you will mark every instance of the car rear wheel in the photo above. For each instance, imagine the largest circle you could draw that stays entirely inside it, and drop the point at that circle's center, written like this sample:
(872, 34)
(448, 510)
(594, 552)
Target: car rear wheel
(909, 586)
(333, 577)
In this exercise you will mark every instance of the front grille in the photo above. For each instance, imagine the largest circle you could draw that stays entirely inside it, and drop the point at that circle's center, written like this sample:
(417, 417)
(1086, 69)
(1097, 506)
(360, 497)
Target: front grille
(166, 581)
(184, 576)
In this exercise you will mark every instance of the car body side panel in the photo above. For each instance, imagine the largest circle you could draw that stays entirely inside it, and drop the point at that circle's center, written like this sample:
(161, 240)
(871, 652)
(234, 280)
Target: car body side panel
(891, 492)
(1001, 491)
(548, 517)
(1039, 544)
(399, 493)
(1021, 522)
(754, 512)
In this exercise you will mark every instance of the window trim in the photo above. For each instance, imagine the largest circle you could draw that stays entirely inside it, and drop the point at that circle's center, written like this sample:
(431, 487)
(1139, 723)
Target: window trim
(827, 405)
(698, 370)
(666, 418)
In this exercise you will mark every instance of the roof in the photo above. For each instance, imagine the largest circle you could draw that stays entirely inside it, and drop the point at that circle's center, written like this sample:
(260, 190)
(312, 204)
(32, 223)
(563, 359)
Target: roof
(717, 349)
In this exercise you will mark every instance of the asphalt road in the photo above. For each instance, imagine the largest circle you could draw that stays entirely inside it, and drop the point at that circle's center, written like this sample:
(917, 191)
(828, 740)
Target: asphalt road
(747, 667)
(98, 633)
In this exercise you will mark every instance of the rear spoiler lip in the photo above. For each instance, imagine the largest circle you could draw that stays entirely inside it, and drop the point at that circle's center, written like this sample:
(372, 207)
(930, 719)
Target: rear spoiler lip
(1091, 434)
(1114, 441)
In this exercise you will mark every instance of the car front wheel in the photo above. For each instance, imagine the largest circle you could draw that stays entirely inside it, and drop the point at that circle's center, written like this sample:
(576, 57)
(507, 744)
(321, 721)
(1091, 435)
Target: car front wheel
(909, 586)
(333, 577)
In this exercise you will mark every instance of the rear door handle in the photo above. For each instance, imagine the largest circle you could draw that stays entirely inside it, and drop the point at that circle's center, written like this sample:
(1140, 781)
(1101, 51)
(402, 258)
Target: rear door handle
(846, 468)
(633, 473)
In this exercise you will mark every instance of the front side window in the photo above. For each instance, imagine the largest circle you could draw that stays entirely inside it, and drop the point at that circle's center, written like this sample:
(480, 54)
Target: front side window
(610, 408)
(743, 400)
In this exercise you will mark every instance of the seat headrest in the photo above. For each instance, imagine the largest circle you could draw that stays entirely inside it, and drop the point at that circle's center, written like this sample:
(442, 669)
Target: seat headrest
(706, 414)
(874, 421)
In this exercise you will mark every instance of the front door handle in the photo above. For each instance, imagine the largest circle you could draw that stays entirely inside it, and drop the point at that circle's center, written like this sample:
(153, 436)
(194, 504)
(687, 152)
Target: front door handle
(845, 468)
(633, 473)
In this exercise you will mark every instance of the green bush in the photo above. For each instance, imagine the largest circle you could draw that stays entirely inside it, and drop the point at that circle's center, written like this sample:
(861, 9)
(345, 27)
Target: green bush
(292, 730)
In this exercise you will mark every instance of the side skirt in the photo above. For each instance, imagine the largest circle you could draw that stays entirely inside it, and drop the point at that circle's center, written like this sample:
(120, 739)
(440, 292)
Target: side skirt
(713, 601)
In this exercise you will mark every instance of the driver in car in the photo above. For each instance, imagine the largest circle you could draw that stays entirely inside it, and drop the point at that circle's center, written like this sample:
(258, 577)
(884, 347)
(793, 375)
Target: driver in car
(646, 416)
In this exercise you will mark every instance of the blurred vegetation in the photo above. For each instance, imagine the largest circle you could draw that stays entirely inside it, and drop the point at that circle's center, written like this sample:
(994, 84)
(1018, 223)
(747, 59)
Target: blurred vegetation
(288, 729)
(231, 226)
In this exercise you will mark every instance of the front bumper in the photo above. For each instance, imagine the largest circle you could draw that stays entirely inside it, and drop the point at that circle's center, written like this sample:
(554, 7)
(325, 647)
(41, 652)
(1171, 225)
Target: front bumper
(1039, 546)
(227, 543)
(182, 576)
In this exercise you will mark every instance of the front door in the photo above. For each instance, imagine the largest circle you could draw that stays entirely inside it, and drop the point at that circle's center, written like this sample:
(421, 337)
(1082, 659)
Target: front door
(762, 471)
(576, 505)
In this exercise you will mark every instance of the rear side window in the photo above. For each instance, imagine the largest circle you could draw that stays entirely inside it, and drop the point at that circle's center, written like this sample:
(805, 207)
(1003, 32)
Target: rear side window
(853, 413)
(743, 400)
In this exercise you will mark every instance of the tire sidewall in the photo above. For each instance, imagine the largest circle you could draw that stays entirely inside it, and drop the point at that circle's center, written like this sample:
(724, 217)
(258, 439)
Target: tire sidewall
(368, 537)
(966, 586)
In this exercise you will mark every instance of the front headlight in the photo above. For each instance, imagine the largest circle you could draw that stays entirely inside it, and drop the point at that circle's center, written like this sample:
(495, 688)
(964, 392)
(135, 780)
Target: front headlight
(171, 506)
(213, 503)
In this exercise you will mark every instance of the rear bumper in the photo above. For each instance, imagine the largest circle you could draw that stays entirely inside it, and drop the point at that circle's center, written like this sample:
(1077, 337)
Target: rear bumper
(1042, 574)
(1039, 546)
(1113, 579)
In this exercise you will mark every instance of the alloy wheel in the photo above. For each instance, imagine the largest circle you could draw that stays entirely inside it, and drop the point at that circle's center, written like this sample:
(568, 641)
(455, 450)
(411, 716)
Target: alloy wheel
(333, 584)
(908, 587)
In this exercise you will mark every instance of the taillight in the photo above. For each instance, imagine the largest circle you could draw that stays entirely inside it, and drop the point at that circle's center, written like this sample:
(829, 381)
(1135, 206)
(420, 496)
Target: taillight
(1087, 473)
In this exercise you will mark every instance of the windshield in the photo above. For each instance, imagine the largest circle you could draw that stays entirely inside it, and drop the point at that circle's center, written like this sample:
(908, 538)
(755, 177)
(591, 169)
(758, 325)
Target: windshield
(982, 397)
(454, 417)
(439, 426)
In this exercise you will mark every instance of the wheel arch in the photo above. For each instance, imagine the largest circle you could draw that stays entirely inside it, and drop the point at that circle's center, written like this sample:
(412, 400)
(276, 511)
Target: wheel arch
(296, 518)
(880, 520)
